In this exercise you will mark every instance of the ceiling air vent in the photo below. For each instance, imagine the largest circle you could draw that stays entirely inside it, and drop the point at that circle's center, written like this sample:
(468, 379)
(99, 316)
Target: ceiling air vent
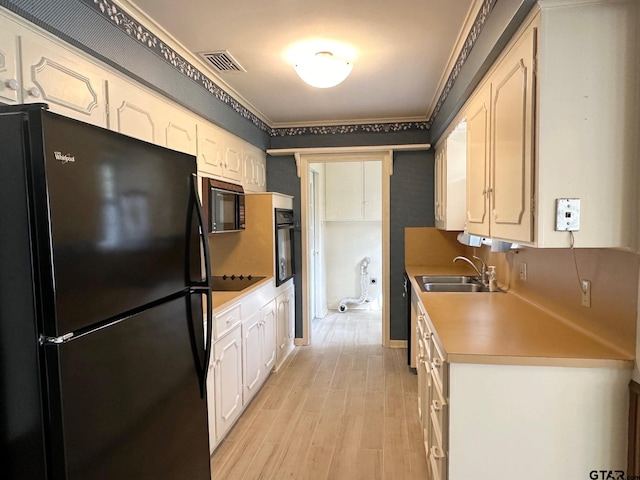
(222, 61)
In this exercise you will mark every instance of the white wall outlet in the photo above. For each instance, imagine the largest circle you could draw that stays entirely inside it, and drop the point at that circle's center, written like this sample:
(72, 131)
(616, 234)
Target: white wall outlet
(567, 214)
(586, 293)
(523, 272)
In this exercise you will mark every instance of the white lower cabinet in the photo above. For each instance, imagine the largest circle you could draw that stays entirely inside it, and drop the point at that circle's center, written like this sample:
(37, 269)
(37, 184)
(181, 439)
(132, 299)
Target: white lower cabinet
(245, 352)
(432, 404)
(503, 421)
(258, 333)
(211, 404)
(286, 327)
(227, 392)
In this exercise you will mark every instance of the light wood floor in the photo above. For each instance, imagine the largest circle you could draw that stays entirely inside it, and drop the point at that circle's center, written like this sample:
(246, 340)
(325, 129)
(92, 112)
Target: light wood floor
(343, 408)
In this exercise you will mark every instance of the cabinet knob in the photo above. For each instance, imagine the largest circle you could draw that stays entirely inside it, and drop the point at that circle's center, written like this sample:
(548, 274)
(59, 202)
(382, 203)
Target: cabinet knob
(437, 405)
(12, 84)
(437, 362)
(34, 92)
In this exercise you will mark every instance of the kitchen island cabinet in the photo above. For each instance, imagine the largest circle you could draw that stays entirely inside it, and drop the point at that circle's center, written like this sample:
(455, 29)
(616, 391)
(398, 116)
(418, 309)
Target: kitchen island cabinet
(508, 390)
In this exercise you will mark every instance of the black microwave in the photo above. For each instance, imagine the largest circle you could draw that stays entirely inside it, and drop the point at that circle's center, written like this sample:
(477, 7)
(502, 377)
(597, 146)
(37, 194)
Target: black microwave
(223, 204)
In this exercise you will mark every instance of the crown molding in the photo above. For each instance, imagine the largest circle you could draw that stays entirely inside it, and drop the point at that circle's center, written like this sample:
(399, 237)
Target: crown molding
(138, 25)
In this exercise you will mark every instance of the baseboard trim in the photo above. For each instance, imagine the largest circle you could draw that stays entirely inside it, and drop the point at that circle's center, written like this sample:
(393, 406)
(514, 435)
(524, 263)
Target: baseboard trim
(398, 343)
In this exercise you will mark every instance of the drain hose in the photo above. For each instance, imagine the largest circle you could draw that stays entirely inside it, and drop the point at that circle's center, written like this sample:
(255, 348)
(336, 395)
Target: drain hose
(364, 282)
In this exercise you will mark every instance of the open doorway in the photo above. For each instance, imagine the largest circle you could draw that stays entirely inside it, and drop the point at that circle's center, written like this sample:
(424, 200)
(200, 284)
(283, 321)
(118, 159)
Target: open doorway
(345, 236)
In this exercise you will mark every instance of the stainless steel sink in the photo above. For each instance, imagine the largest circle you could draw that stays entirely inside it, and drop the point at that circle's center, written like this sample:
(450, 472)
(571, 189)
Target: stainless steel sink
(446, 279)
(453, 287)
(450, 283)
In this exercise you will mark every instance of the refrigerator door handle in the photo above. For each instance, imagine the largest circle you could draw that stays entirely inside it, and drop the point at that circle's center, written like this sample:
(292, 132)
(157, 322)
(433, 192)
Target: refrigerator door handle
(44, 340)
(194, 204)
(206, 285)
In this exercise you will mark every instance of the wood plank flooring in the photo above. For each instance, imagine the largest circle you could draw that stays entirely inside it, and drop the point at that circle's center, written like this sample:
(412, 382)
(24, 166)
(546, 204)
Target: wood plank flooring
(343, 408)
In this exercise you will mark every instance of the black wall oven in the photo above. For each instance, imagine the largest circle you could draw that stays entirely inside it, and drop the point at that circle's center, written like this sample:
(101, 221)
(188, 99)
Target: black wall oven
(284, 245)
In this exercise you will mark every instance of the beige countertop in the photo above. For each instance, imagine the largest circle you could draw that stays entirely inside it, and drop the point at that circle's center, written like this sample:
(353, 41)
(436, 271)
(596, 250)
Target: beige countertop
(503, 328)
(222, 300)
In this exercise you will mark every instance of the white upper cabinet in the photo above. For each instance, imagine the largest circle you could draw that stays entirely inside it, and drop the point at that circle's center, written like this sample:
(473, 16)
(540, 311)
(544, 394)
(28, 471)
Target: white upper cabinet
(255, 172)
(229, 158)
(353, 191)
(478, 162)
(588, 113)
(344, 191)
(450, 180)
(135, 112)
(500, 121)
(233, 158)
(555, 118)
(372, 191)
(210, 150)
(65, 81)
(9, 65)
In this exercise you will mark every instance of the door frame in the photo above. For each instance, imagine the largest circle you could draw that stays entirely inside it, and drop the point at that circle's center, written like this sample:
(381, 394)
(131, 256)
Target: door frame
(328, 155)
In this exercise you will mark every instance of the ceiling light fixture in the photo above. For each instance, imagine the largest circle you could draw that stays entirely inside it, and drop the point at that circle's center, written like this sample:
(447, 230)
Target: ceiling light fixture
(323, 70)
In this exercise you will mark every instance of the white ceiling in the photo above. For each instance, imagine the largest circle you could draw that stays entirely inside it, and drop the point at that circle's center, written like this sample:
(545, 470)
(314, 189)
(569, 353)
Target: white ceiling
(402, 52)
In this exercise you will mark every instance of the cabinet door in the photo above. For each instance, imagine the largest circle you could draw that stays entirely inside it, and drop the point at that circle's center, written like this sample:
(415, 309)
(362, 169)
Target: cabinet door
(291, 315)
(228, 380)
(478, 163)
(254, 169)
(210, 150)
(344, 191)
(9, 84)
(70, 85)
(178, 130)
(512, 124)
(233, 159)
(139, 114)
(282, 328)
(372, 201)
(268, 313)
(211, 404)
(134, 112)
(439, 185)
(252, 342)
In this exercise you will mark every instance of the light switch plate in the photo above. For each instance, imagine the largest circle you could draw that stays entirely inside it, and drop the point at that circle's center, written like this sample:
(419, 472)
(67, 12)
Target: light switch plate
(568, 214)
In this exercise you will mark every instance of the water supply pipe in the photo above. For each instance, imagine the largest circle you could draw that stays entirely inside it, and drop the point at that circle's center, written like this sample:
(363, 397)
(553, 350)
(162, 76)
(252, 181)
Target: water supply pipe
(364, 282)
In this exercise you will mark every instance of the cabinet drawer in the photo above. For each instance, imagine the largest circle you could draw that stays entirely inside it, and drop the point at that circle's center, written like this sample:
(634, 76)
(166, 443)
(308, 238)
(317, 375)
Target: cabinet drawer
(440, 370)
(423, 405)
(438, 410)
(226, 320)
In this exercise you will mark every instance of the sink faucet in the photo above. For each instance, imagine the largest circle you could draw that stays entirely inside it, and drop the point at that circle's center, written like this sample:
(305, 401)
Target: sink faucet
(482, 273)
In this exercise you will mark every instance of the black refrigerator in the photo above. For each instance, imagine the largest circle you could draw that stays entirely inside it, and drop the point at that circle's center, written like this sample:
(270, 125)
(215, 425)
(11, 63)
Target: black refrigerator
(103, 351)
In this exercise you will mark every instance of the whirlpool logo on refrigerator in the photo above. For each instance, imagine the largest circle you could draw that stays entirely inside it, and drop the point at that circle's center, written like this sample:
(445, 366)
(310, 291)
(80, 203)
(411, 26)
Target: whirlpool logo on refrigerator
(64, 158)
